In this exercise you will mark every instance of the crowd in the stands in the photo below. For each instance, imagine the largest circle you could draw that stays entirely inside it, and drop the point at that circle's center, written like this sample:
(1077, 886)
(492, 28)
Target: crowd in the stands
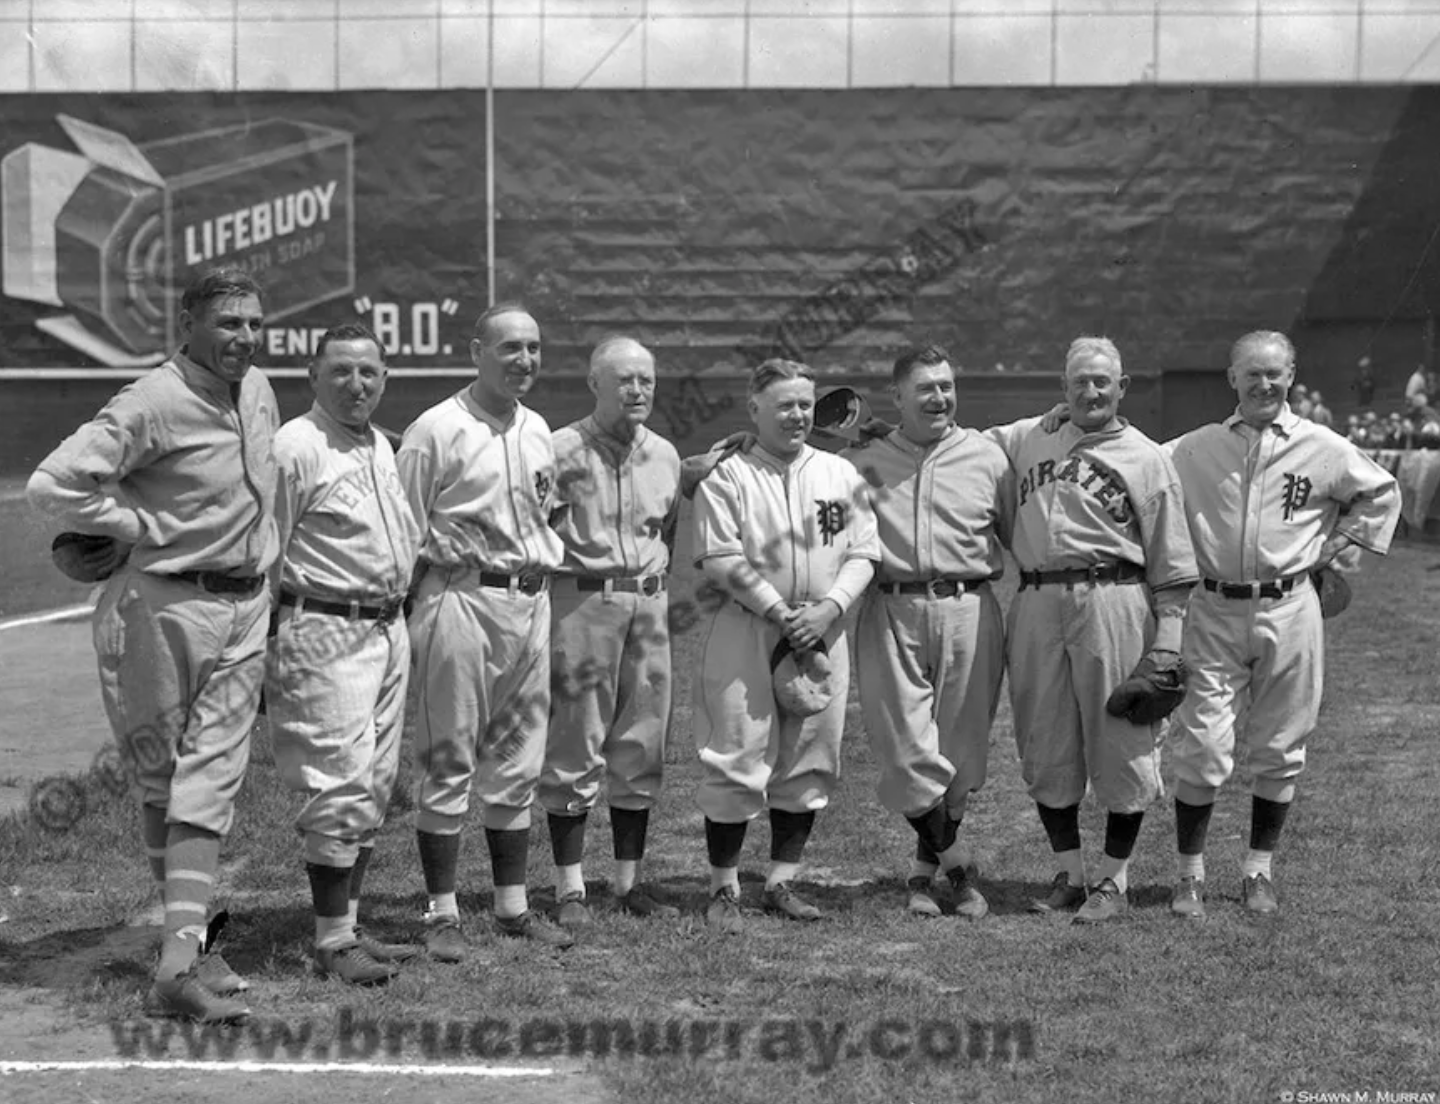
(1415, 425)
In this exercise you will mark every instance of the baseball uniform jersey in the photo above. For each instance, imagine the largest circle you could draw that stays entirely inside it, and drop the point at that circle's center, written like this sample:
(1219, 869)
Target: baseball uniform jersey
(1083, 499)
(1261, 505)
(800, 533)
(481, 491)
(179, 463)
(930, 683)
(347, 535)
(616, 507)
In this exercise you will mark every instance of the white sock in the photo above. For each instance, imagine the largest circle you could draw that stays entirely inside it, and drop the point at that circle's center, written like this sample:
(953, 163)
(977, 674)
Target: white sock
(511, 901)
(444, 904)
(1073, 863)
(1117, 870)
(1192, 866)
(569, 879)
(780, 872)
(332, 932)
(722, 876)
(1257, 862)
(958, 854)
(919, 869)
(627, 873)
(352, 914)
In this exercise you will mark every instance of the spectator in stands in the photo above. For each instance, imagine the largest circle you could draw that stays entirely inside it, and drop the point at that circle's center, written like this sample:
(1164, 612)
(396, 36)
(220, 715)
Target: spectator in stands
(1375, 430)
(1397, 431)
(1355, 430)
(1416, 383)
(1364, 385)
(1420, 412)
(1320, 413)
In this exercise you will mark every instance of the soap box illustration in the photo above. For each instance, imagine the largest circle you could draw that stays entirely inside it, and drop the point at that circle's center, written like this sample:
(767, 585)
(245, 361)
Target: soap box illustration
(113, 232)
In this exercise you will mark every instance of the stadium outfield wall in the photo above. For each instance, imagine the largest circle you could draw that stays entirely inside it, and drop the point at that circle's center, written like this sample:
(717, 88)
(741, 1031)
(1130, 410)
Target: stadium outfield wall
(723, 226)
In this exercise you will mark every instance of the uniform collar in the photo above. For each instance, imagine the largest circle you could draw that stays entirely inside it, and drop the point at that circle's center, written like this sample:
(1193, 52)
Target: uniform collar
(605, 438)
(1284, 423)
(953, 435)
(327, 421)
(204, 380)
(771, 460)
(1076, 434)
(468, 402)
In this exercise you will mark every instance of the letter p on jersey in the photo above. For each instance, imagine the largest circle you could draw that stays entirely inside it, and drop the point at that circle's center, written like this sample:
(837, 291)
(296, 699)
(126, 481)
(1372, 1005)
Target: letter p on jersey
(114, 233)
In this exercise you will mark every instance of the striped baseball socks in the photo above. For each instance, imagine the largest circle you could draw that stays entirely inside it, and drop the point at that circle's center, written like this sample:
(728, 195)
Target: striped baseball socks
(156, 833)
(192, 858)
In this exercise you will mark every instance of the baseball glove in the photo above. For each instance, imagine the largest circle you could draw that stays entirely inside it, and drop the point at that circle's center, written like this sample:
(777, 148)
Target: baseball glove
(88, 558)
(1334, 591)
(804, 682)
(1153, 690)
(839, 415)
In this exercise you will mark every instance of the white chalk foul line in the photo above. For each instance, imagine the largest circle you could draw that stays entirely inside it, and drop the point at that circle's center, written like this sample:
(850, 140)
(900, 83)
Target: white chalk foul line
(7, 1067)
(67, 613)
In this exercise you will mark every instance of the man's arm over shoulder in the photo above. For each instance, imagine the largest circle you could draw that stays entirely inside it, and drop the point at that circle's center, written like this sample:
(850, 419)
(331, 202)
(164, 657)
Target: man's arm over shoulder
(1011, 435)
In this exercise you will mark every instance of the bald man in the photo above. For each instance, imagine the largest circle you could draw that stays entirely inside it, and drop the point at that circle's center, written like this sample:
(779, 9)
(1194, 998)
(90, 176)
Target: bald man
(479, 472)
(617, 493)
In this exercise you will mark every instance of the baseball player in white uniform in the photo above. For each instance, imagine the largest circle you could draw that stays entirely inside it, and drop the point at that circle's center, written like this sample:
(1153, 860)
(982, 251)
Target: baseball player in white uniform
(788, 533)
(348, 542)
(930, 629)
(479, 472)
(1271, 498)
(617, 495)
(1105, 567)
(178, 470)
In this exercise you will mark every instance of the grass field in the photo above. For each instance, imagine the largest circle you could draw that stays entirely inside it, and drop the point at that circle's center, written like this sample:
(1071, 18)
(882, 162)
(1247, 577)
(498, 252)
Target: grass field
(1339, 993)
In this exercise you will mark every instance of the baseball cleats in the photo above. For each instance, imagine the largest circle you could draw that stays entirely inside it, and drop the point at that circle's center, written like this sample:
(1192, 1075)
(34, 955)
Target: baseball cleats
(1063, 897)
(922, 902)
(211, 968)
(1188, 900)
(723, 914)
(385, 952)
(186, 997)
(531, 925)
(1106, 901)
(786, 902)
(571, 911)
(1260, 896)
(444, 941)
(353, 965)
(641, 902)
(968, 901)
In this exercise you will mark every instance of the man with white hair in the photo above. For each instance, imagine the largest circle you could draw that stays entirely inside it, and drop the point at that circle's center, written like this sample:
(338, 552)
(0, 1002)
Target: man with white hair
(1105, 561)
(1277, 505)
(617, 489)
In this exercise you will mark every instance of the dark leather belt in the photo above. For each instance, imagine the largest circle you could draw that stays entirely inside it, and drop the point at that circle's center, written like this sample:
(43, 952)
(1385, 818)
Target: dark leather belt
(531, 582)
(354, 611)
(1117, 572)
(214, 582)
(644, 585)
(1275, 588)
(935, 588)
